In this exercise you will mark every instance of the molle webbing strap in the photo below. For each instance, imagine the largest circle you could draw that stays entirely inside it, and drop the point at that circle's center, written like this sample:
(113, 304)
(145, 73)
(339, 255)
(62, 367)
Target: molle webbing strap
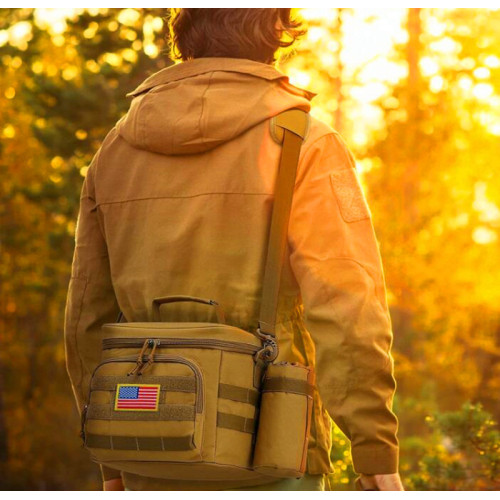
(171, 383)
(181, 443)
(236, 423)
(165, 412)
(294, 124)
(284, 384)
(241, 394)
(179, 384)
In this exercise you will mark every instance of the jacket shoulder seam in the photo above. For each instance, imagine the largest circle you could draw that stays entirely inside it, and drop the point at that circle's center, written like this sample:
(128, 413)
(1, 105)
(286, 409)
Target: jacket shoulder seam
(322, 136)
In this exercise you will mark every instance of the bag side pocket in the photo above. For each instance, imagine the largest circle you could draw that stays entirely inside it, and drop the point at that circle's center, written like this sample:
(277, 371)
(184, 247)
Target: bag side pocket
(284, 421)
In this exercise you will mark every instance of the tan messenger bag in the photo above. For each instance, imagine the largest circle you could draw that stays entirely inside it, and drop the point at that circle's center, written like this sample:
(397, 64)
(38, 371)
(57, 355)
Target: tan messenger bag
(205, 401)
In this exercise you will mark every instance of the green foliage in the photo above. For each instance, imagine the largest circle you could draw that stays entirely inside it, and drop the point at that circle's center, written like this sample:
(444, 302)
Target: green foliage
(343, 476)
(465, 454)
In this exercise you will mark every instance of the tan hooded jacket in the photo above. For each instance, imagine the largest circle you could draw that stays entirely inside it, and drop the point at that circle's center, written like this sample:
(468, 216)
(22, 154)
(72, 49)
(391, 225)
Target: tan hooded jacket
(178, 200)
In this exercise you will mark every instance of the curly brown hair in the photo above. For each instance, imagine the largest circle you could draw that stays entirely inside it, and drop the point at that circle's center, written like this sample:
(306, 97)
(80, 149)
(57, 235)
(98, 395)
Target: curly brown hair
(255, 34)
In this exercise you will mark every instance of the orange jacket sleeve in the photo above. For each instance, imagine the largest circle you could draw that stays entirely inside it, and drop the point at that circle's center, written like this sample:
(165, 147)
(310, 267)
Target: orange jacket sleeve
(335, 258)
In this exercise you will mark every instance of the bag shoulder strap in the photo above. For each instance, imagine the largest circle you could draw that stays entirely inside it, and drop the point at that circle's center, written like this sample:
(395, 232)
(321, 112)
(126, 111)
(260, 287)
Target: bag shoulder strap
(289, 128)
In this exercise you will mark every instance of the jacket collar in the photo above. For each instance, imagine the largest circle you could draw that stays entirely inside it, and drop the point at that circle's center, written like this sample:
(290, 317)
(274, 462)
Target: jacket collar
(202, 65)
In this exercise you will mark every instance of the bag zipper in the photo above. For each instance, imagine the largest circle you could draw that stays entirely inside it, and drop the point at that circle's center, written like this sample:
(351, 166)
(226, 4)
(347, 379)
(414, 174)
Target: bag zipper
(116, 343)
(165, 358)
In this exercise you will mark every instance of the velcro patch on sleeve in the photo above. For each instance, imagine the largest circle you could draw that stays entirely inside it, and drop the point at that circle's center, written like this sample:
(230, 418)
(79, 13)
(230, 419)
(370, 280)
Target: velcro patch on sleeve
(349, 194)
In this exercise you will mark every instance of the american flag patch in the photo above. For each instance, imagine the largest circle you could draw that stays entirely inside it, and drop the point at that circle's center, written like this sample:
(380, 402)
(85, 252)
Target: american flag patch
(137, 397)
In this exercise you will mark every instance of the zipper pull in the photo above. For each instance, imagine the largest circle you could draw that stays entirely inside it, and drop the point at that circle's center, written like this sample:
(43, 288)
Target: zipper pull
(151, 357)
(140, 362)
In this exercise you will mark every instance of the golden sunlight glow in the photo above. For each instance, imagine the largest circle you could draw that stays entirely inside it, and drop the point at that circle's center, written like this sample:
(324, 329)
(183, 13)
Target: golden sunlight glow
(129, 17)
(4, 37)
(482, 73)
(10, 93)
(369, 92)
(40, 123)
(151, 50)
(468, 63)
(57, 162)
(69, 73)
(9, 131)
(428, 66)
(128, 34)
(483, 90)
(58, 40)
(129, 55)
(54, 20)
(494, 129)
(367, 38)
(81, 135)
(112, 59)
(55, 178)
(484, 236)
(37, 67)
(20, 34)
(465, 83)
(299, 78)
(437, 83)
(445, 45)
(91, 31)
(325, 14)
(151, 25)
(365, 47)
(316, 33)
(16, 62)
(488, 211)
(492, 61)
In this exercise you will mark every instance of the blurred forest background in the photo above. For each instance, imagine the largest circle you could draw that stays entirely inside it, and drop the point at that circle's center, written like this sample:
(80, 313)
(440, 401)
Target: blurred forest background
(416, 94)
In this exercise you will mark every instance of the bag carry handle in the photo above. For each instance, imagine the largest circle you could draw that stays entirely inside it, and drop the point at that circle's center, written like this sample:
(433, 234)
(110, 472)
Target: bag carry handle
(221, 317)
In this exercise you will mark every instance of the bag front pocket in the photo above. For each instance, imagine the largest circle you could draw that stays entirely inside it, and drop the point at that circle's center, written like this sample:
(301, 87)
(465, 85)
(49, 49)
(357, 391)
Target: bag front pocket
(156, 416)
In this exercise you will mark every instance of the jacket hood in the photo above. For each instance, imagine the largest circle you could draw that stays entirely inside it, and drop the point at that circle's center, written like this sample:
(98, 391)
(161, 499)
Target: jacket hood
(196, 105)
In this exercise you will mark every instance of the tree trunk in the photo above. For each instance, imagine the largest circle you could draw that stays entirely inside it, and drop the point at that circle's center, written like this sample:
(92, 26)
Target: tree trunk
(4, 449)
(410, 176)
(337, 80)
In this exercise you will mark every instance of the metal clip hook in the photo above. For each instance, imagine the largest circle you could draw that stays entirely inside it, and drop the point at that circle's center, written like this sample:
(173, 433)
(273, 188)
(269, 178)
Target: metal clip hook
(269, 351)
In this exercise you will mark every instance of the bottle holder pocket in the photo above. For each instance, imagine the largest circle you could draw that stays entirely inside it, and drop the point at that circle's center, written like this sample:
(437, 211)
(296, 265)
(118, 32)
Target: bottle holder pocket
(284, 421)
